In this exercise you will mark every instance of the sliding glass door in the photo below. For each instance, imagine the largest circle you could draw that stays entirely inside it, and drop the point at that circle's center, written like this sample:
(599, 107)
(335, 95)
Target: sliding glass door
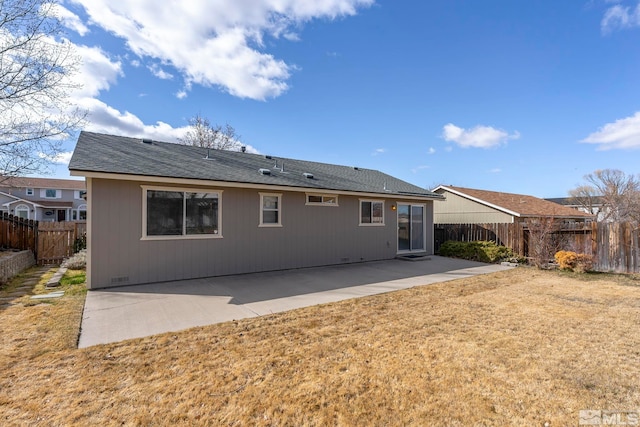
(411, 231)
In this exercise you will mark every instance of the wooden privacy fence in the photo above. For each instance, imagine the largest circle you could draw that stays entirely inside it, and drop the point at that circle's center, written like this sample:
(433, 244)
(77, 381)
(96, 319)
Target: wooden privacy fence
(615, 247)
(18, 233)
(511, 235)
(56, 240)
(572, 236)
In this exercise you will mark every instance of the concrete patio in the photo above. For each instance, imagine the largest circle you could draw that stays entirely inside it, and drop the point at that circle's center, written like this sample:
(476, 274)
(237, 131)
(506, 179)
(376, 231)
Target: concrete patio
(117, 314)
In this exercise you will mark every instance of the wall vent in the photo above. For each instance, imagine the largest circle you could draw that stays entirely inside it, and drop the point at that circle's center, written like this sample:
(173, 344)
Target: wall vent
(308, 175)
(147, 140)
(264, 171)
(268, 157)
(355, 168)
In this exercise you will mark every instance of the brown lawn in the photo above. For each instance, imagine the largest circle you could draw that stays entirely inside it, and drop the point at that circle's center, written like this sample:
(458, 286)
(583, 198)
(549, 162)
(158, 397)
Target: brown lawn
(522, 347)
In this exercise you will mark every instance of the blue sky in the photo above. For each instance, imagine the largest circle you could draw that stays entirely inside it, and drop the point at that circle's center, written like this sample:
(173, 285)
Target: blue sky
(502, 95)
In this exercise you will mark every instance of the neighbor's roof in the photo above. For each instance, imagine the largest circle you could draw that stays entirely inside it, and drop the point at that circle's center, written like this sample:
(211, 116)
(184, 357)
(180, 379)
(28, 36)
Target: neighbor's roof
(572, 201)
(519, 205)
(99, 154)
(51, 183)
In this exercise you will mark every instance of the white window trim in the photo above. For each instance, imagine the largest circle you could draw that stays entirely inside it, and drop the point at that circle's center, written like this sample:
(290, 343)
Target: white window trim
(371, 224)
(323, 203)
(262, 196)
(30, 192)
(22, 208)
(145, 188)
(76, 212)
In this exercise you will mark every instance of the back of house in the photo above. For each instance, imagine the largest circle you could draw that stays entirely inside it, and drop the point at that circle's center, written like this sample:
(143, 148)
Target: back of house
(159, 211)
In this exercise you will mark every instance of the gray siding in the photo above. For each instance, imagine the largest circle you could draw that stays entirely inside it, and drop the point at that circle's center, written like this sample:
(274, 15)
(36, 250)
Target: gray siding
(310, 236)
(459, 210)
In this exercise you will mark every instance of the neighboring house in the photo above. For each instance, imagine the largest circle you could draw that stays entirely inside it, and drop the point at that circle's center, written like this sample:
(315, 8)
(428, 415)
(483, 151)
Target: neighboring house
(598, 208)
(44, 199)
(471, 206)
(160, 212)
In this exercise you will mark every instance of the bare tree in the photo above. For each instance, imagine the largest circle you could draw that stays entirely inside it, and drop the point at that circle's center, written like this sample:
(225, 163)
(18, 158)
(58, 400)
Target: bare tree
(545, 239)
(36, 65)
(202, 134)
(611, 194)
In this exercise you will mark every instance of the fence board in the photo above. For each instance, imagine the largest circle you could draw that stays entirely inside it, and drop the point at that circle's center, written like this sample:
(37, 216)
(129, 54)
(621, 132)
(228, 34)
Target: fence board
(511, 235)
(56, 240)
(617, 247)
(18, 233)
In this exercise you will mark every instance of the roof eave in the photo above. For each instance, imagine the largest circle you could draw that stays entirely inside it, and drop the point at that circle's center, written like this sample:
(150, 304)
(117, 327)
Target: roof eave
(477, 200)
(235, 184)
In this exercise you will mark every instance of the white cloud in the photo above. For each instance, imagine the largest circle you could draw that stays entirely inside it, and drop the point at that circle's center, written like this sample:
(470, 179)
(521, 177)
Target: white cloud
(181, 94)
(97, 71)
(62, 158)
(70, 19)
(419, 168)
(106, 119)
(620, 17)
(378, 151)
(431, 150)
(217, 43)
(159, 72)
(477, 137)
(495, 170)
(623, 133)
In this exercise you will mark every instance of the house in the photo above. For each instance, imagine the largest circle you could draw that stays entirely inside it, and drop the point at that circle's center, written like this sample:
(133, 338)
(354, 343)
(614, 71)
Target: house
(43, 199)
(472, 206)
(159, 211)
(508, 219)
(598, 208)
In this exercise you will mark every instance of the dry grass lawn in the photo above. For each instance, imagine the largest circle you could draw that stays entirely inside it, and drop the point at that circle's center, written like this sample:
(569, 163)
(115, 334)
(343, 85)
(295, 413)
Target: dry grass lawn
(521, 347)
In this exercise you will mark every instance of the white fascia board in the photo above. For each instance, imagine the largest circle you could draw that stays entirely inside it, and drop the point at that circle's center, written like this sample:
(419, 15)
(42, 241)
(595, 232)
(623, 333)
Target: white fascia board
(475, 199)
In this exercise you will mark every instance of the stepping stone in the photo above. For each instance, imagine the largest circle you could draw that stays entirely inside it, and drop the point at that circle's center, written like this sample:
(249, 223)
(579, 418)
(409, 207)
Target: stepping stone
(56, 294)
(55, 280)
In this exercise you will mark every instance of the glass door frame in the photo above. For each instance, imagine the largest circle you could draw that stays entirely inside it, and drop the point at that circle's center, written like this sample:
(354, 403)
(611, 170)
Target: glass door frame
(410, 238)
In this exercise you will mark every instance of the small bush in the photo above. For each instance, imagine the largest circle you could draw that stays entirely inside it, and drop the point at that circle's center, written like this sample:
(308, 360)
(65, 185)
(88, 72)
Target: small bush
(76, 262)
(578, 263)
(480, 251)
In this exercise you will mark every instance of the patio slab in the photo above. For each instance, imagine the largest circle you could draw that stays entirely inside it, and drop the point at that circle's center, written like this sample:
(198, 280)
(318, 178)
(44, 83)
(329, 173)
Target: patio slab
(117, 314)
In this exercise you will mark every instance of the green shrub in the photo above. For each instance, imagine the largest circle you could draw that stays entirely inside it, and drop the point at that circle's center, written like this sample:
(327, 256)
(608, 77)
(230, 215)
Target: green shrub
(80, 243)
(480, 251)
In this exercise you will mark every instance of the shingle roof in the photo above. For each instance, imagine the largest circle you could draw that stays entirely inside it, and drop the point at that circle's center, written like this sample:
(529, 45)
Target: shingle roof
(520, 204)
(99, 153)
(29, 182)
(572, 201)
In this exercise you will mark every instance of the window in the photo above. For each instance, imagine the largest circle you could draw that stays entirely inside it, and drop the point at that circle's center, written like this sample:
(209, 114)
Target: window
(270, 211)
(22, 211)
(168, 213)
(79, 194)
(322, 199)
(80, 214)
(371, 212)
(49, 193)
(30, 192)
